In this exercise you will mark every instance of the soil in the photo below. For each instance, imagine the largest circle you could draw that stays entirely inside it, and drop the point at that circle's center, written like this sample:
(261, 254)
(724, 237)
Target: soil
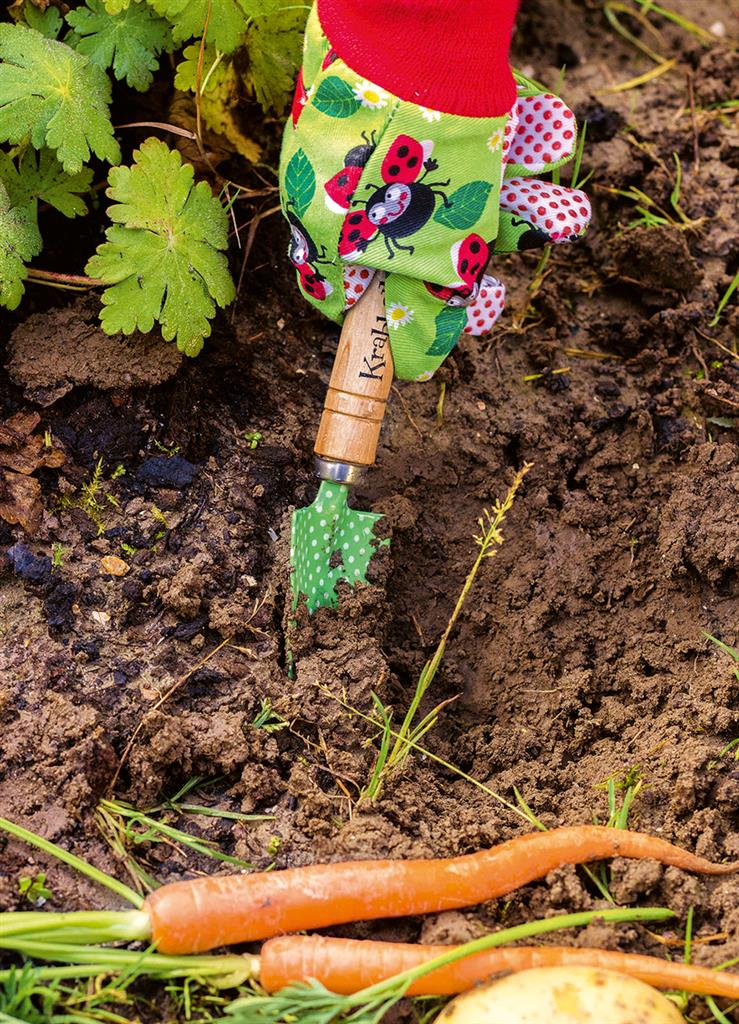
(581, 654)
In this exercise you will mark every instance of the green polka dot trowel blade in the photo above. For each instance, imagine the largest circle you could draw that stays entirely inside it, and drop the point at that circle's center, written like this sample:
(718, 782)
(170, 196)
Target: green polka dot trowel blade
(330, 542)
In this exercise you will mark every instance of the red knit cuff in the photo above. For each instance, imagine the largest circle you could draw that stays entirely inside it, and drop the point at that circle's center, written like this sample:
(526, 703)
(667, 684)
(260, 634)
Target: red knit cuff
(447, 55)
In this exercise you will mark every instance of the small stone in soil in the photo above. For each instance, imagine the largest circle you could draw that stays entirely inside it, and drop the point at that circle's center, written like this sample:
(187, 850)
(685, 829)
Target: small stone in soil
(166, 471)
(113, 566)
(34, 568)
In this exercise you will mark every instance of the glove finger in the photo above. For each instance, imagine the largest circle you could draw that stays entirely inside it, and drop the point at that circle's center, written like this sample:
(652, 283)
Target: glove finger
(535, 213)
(357, 279)
(483, 313)
(545, 135)
(426, 321)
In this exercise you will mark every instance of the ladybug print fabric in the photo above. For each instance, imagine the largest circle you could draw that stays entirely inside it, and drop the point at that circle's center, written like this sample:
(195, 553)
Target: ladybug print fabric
(369, 182)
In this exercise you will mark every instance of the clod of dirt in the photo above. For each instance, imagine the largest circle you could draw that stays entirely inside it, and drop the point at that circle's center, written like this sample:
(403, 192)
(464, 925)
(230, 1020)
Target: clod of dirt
(182, 593)
(77, 351)
(166, 471)
(658, 258)
(21, 454)
(30, 567)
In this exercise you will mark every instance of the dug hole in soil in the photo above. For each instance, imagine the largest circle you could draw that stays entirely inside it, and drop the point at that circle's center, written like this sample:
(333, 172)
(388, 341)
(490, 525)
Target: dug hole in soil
(581, 654)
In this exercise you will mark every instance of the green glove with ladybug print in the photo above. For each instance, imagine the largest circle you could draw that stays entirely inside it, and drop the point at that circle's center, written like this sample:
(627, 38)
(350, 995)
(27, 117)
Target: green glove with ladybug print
(425, 188)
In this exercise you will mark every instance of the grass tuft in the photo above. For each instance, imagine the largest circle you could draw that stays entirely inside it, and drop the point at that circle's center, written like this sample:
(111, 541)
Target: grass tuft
(393, 755)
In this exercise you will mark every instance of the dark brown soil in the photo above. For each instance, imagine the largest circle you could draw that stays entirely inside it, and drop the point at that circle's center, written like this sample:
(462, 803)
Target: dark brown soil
(581, 654)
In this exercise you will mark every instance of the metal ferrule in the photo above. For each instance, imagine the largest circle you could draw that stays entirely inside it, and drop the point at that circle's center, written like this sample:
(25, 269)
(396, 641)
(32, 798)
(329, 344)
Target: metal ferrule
(338, 472)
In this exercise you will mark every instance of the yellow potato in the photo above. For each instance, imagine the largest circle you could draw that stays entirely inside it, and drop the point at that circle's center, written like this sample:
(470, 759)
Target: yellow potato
(562, 995)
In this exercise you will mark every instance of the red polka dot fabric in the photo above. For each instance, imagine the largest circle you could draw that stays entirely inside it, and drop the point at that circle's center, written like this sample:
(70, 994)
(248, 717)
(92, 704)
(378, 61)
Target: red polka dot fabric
(561, 213)
(545, 135)
(356, 282)
(487, 307)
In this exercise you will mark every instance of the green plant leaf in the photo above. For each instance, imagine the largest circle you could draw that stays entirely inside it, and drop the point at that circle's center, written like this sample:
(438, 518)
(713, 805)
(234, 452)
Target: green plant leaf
(129, 42)
(20, 241)
(221, 95)
(226, 26)
(116, 6)
(162, 259)
(274, 42)
(449, 325)
(49, 22)
(334, 97)
(300, 182)
(56, 96)
(39, 175)
(465, 206)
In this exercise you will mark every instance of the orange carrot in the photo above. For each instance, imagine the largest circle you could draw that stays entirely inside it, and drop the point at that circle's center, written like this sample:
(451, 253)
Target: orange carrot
(201, 914)
(346, 966)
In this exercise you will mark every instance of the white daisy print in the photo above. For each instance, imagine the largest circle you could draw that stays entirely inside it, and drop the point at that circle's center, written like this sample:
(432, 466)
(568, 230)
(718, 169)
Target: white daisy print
(398, 315)
(495, 141)
(430, 115)
(423, 377)
(369, 95)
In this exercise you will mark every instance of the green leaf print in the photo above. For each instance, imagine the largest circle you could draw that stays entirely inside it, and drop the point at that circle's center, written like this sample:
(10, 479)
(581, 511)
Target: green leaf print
(449, 325)
(465, 205)
(300, 182)
(335, 98)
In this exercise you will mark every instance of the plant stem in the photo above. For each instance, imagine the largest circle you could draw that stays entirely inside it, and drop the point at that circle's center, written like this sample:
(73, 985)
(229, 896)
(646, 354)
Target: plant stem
(77, 926)
(74, 862)
(52, 276)
(228, 971)
(488, 540)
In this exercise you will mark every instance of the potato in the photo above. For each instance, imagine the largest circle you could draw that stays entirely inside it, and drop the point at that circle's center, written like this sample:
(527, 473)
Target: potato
(562, 995)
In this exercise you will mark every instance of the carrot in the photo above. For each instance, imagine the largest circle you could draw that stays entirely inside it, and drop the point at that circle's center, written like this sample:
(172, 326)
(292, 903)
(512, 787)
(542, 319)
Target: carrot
(203, 913)
(346, 966)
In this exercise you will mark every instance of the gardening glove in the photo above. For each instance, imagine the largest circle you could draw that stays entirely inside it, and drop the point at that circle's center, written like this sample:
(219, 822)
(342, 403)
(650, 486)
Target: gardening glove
(409, 150)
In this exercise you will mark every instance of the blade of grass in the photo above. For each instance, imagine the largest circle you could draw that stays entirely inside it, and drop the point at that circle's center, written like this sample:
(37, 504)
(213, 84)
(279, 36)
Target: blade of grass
(678, 19)
(734, 284)
(95, 874)
(639, 80)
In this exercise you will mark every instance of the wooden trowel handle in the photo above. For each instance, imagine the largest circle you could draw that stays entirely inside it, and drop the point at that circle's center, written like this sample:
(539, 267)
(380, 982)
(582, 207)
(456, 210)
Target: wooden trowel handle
(360, 383)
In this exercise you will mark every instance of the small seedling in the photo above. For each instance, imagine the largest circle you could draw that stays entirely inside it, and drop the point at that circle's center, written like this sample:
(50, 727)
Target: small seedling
(269, 719)
(630, 784)
(253, 438)
(93, 499)
(651, 214)
(58, 553)
(159, 517)
(731, 748)
(168, 450)
(35, 889)
(273, 846)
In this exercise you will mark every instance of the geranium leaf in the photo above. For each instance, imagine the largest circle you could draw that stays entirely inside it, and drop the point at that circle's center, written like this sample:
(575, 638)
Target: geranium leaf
(162, 259)
(128, 42)
(54, 95)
